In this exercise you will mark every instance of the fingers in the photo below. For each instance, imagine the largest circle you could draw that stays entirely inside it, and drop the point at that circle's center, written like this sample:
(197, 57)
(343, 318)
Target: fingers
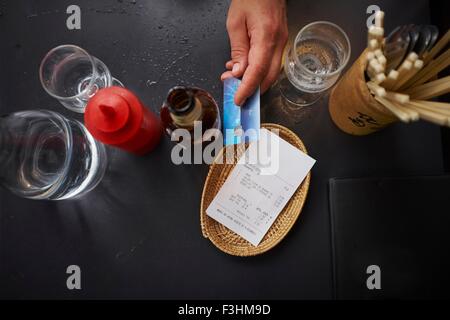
(240, 45)
(274, 70)
(226, 75)
(259, 62)
(272, 74)
(257, 38)
(271, 77)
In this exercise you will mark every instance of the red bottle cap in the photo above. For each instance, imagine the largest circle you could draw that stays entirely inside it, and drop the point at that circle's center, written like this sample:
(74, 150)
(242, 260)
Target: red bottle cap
(115, 116)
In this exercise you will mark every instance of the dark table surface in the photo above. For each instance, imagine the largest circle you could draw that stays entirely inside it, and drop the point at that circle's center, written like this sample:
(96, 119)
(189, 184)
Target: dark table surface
(138, 234)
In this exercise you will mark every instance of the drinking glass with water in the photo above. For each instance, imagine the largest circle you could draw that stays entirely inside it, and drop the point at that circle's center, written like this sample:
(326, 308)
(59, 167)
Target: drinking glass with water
(314, 63)
(45, 156)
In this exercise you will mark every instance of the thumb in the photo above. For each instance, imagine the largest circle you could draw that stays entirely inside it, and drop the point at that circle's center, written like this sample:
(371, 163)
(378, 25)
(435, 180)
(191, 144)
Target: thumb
(240, 45)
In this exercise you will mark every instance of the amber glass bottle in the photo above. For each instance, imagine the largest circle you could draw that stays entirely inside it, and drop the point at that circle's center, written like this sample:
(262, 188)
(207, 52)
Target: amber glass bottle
(186, 107)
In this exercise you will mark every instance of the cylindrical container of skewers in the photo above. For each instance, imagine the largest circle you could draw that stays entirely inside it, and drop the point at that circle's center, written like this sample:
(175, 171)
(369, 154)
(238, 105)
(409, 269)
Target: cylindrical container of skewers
(394, 80)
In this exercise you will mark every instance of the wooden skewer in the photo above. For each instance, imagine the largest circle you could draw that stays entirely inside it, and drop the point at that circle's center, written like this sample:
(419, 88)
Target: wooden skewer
(370, 68)
(379, 19)
(429, 115)
(427, 86)
(403, 70)
(431, 70)
(393, 74)
(436, 66)
(433, 104)
(433, 92)
(371, 74)
(418, 65)
(438, 47)
(432, 108)
(375, 37)
(413, 57)
(375, 66)
(403, 116)
(375, 76)
(414, 115)
(370, 56)
(390, 80)
(373, 44)
(439, 107)
(376, 33)
(379, 78)
(376, 89)
(380, 57)
(378, 53)
(383, 61)
(406, 66)
(401, 98)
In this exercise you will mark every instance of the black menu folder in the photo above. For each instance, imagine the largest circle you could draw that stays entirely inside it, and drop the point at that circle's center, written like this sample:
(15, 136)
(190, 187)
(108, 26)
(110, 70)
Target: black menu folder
(402, 226)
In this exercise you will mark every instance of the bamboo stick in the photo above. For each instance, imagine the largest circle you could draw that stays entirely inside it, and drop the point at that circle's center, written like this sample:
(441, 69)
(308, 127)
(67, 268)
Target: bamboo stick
(399, 97)
(430, 116)
(413, 57)
(370, 56)
(380, 57)
(414, 115)
(379, 78)
(403, 71)
(431, 70)
(433, 104)
(403, 116)
(379, 19)
(376, 33)
(373, 44)
(427, 85)
(375, 66)
(418, 65)
(424, 105)
(376, 89)
(382, 60)
(432, 92)
(390, 80)
(378, 53)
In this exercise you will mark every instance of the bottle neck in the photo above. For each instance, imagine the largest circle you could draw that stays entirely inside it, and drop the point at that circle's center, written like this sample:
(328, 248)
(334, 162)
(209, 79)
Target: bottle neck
(184, 107)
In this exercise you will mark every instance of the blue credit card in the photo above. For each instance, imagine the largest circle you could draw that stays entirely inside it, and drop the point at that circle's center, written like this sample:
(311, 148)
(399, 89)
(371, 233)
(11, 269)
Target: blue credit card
(241, 124)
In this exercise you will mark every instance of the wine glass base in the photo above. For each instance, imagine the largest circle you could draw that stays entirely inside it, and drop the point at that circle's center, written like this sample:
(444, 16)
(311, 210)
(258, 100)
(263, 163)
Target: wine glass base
(299, 99)
(294, 97)
(117, 83)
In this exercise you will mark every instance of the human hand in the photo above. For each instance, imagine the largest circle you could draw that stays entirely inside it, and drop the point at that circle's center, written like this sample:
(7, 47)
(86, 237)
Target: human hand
(258, 33)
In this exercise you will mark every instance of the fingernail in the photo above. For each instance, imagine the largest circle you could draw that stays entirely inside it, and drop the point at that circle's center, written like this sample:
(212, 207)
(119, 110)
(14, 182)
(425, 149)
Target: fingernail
(236, 67)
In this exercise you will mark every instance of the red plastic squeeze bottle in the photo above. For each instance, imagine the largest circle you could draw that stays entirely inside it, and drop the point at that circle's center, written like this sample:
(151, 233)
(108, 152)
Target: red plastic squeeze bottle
(115, 116)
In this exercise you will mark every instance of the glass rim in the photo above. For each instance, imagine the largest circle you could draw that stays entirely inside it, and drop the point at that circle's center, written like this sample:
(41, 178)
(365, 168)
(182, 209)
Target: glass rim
(347, 59)
(91, 82)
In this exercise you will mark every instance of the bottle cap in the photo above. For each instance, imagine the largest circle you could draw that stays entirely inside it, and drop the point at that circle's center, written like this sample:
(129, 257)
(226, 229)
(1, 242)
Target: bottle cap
(114, 116)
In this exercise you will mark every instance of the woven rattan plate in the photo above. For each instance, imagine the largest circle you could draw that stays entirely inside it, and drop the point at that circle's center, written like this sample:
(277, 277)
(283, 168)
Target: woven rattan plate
(228, 241)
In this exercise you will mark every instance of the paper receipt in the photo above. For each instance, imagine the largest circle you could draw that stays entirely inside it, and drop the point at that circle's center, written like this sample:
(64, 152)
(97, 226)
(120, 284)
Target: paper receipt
(260, 186)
